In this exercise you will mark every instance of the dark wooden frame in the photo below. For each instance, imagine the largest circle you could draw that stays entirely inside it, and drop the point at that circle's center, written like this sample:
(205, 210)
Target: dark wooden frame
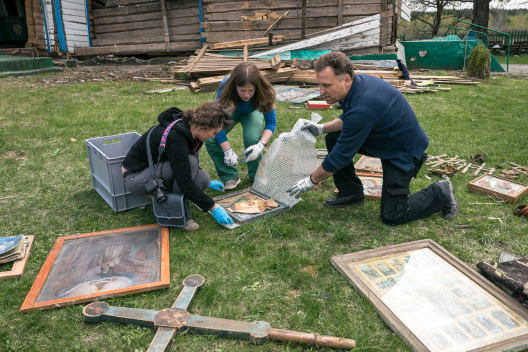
(30, 304)
(17, 271)
(472, 187)
(359, 165)
(236, 217)
(340, 263)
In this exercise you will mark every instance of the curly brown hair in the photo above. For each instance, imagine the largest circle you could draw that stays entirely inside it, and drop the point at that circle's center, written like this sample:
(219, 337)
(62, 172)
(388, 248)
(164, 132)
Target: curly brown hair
(244, 73)
(339, 62)
(210, 115)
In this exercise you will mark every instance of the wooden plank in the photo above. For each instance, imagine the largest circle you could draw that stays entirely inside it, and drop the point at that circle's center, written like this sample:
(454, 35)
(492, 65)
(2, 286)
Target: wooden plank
(138, 49)
(303, 19)
(340, 13)
(131, 40)
(129, 26)
(223, 26)
(165, 25)
(243, 42)
(116, 3)
(70, 12)
(127, 10)
(172, 17)
(358, 27)
(198, 57)
(17, 271)
(73, 6)
(76, 19)
(194, 29)
(276, 5)
(274, 25)
(77, 38)
(76, 26)
(331, 11)
(220, 37)
(186, 7)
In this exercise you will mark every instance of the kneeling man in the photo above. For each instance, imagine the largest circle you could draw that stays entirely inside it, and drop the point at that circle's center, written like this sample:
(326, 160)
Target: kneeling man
(376, 121)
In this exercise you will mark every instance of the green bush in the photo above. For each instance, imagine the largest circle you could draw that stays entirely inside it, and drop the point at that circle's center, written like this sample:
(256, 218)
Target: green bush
(477, 61)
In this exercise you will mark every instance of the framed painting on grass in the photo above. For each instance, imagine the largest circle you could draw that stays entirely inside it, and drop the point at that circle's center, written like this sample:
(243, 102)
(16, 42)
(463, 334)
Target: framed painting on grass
(229, 201)
(434, 301)
(83, 268)
(372, 185)
(498, 187)
(369, 164)
(17, 270)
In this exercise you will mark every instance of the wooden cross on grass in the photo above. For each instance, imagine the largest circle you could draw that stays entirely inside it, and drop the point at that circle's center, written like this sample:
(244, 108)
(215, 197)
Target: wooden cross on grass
(176, 319)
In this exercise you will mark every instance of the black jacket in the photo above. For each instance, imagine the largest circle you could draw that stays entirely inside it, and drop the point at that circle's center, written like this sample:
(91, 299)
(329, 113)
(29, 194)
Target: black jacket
(180, 144)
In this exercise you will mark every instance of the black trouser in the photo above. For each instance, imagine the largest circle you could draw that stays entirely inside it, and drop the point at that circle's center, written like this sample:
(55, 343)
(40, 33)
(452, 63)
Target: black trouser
(398, 206)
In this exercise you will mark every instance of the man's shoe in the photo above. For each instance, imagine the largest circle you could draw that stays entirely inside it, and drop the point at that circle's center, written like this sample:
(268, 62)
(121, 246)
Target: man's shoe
(191, 226)
(336, 202)
(450, 210)
(231, 184)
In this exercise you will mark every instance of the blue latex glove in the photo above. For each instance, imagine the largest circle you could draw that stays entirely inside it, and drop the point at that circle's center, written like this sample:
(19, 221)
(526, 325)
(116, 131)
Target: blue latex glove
(216, 185)
(221, 216)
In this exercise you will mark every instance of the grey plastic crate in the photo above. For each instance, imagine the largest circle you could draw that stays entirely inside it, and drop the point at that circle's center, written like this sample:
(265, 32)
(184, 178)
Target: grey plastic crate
(106, 155)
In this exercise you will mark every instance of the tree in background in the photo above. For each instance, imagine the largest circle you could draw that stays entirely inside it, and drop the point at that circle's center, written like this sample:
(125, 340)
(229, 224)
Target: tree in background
(481, 13)
(446, 12)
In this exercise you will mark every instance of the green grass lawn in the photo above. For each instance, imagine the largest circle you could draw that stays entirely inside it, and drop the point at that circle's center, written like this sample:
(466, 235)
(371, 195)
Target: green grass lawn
(514, 60)
(256, 272)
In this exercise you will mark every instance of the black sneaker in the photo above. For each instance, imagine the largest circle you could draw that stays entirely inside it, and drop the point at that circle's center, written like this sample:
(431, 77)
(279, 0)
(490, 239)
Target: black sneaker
(450, 210)
(336, 202)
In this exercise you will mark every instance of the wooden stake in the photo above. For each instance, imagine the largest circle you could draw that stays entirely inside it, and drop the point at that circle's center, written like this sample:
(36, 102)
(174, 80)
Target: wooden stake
(198, 57)
(275, 24)
(340, 13)
(466, 168)
(165, 25)
(519, 166)
(303, 23)
(479, 169)
(245, 53)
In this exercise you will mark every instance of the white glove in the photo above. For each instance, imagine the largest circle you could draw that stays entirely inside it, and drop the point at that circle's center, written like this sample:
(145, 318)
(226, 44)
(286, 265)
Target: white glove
(230, 158)
(252, 152)
(313, 128)
(302, 186)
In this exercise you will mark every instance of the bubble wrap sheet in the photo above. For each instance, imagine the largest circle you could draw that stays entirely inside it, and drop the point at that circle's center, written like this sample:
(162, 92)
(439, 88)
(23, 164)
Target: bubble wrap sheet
(291, 157)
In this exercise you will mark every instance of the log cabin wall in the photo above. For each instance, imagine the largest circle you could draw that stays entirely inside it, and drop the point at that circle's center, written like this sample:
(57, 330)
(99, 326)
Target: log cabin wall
(226, 20)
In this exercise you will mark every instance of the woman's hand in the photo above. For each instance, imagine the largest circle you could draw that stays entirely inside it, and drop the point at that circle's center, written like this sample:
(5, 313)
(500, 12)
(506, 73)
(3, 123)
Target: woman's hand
(230, 158)
(216, 185)
(252, 152)
(220, 215)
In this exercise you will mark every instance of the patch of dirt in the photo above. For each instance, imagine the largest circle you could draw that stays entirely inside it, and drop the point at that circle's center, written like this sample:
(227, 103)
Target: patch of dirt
(13, 155)
(101, 73)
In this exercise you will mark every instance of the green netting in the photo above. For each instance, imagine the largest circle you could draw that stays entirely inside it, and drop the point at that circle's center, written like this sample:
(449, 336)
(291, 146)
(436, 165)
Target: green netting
(452, 37)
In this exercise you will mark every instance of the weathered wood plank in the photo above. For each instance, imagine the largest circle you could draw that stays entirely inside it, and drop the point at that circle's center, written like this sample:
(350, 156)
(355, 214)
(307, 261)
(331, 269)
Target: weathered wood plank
(125, 27)
(70, 12)
(222, 26)
(238, 43)
(116, 3)
(175, 14)
(138, 49)
(215, 7)
(127, 10)
(358, 27)
(127, 39)
(220, 37)
(73, 6)
(348, 10)
(192, 29)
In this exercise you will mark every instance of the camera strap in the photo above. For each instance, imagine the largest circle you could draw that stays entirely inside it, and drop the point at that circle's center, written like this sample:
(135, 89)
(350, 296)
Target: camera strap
(161, 148)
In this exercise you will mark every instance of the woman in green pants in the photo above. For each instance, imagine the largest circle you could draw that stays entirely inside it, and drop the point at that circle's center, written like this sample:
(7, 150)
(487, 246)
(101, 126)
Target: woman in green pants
(254, 99)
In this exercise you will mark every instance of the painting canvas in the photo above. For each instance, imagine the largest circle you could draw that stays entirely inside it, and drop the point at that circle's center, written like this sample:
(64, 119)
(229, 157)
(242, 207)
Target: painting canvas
(84, 267)
(369, 164)
(434, 301)
(498, 187)
(295, 94)
(372, 185)
(228, 201)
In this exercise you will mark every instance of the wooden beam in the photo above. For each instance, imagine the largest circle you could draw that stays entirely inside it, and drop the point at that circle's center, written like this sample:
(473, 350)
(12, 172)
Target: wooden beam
(198, 57)
(136, 49)
(303, 23)
(340, 13)
(275, 24)
(244, 42)
(165, 26)
(245, 53)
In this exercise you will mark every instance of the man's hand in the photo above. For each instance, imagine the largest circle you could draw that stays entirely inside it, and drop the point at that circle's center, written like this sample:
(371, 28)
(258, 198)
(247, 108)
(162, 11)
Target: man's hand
(313, 128)
(252, 152)
(230, 158)
(302, 186)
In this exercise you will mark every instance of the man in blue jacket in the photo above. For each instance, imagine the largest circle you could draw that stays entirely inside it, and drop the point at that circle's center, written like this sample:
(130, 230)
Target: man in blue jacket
(376, 121)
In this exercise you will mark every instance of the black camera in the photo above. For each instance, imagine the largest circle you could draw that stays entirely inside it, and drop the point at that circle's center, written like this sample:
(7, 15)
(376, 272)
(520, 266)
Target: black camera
(157, 188)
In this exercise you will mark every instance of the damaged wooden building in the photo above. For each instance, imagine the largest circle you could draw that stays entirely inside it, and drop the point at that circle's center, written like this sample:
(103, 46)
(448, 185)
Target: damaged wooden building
(179, 27)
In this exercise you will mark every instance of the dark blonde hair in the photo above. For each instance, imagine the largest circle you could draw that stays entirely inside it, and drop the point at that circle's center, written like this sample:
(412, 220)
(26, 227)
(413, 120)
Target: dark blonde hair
(339, 62)
(244, 73)
(210, 115)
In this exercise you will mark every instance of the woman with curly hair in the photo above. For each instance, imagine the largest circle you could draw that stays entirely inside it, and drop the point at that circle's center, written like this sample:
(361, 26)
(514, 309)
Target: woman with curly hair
(254, 99)
(179, 165)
